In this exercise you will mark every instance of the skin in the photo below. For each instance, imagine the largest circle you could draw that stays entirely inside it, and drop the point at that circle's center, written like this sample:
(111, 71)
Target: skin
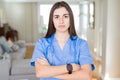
(45, 70)
(61, 22)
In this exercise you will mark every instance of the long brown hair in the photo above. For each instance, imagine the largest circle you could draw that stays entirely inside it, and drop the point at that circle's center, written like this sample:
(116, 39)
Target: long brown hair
(51, 28)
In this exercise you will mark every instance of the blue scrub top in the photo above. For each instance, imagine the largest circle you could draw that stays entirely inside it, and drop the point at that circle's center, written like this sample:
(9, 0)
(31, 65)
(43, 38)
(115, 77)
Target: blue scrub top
(75, 50)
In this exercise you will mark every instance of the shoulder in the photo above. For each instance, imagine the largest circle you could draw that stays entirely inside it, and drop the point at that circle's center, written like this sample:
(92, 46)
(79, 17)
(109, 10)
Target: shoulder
(42, 42)
(79, 40)
(81, 43)
(45, 41)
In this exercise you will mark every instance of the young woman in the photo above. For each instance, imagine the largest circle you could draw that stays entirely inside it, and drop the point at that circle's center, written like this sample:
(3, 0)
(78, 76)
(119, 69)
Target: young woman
(61, 54)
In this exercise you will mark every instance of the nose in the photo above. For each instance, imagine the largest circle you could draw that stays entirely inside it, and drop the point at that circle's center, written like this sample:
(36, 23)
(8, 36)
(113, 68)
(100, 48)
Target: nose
(61, 20)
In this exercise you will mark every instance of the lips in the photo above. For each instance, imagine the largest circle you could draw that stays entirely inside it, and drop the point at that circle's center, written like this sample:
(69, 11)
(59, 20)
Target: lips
(61, 26)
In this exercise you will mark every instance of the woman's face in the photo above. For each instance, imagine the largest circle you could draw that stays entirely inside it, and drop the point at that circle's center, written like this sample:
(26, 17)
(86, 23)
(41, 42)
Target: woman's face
(61, 19)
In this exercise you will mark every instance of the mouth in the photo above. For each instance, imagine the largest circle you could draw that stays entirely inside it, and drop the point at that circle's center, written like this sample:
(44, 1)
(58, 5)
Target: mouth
(61, 26)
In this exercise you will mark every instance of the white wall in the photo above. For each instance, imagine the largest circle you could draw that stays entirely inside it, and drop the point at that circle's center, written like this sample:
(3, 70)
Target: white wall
(113, 39)
(1, 12)
(1, 4)
(23, 18)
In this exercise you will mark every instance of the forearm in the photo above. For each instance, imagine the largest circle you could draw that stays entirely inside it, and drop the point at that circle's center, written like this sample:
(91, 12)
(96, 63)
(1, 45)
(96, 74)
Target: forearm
(77, 75)
(43, 71)
(81, 74)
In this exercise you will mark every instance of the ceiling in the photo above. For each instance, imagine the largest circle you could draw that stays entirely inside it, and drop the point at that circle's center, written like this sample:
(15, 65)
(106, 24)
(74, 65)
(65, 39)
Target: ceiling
(73, 1)
(36, 0)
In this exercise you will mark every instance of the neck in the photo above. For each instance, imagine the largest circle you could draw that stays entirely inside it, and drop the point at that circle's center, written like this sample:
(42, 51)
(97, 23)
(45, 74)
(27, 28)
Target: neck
(62, 36)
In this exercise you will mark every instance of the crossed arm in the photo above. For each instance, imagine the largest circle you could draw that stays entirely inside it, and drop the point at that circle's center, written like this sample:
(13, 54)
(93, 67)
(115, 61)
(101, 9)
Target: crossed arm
(45, 70)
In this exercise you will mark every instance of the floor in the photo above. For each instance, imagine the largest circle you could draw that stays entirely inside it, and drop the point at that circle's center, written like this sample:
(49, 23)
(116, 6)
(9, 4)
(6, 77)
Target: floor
(30, 50)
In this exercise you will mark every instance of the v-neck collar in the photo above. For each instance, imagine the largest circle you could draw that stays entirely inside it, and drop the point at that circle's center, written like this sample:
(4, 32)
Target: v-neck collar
(68, 42)
(62, 49)
(57, 44)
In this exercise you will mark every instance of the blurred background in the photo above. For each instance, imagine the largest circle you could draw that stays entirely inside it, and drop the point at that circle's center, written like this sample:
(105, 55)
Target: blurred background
(97, 21)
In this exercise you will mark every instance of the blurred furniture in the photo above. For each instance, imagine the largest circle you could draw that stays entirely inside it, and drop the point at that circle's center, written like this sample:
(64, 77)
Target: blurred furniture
(13, 65)
(4, 69)
(2, 33)
(8, 32)
(12, 34)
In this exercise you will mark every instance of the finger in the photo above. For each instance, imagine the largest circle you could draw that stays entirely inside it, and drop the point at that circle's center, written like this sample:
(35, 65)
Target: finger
(43, 58)
(40, 60)
(43, 61)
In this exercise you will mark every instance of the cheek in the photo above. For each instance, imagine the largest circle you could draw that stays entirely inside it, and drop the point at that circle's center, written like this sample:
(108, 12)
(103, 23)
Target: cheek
(67, 22)
(55, 23)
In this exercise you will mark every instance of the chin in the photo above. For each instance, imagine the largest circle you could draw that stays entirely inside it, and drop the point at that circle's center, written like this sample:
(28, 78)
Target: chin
(63, 31)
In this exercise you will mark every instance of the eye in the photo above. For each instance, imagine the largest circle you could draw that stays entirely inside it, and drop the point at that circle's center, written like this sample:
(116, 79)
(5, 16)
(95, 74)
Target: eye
(56, 17)
(66, 16)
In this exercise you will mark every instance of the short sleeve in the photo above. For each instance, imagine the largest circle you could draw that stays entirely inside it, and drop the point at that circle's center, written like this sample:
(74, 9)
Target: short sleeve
(85, 56)
(38, 52)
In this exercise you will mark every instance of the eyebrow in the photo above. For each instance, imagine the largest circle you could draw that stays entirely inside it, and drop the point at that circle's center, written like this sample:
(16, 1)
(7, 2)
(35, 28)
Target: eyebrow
(63, 15)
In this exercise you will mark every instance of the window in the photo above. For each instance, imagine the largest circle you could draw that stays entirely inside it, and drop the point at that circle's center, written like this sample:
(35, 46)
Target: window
(86, 17)
(44, 17)
(92, 15)
(83, 19)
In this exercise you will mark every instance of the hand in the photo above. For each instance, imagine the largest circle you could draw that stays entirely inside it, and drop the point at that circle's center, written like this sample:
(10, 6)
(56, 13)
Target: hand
(43, 61)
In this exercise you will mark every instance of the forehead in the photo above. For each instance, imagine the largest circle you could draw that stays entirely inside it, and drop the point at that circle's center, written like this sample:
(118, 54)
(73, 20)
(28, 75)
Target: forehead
(61, 10)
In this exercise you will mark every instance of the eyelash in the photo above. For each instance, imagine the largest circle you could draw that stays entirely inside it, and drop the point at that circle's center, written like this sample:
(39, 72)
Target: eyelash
(66, 16)
(56, 17)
